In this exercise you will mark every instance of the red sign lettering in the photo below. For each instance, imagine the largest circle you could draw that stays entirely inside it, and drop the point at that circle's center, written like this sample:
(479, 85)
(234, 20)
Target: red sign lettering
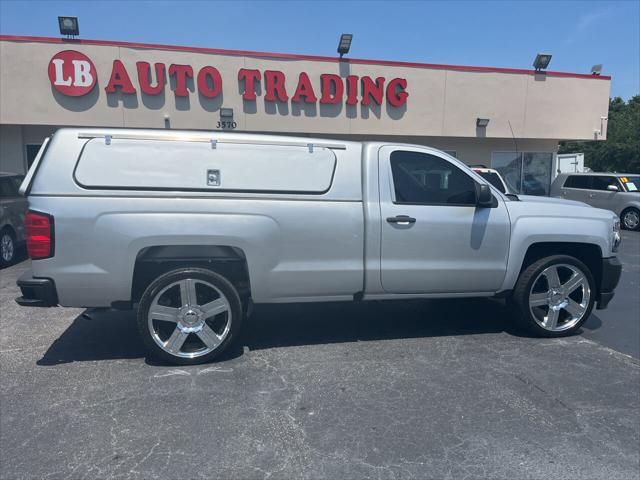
(143, 78)
(352, 90)
(372, 90)
(249, 77)
(331, 94)
(204, 75)
(304, 89)
(275, 85)
(119, 78)
(72, 73)
(181, 72)
(396, 95)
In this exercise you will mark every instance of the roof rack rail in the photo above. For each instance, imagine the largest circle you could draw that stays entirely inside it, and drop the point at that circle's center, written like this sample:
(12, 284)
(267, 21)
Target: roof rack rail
(208, 139)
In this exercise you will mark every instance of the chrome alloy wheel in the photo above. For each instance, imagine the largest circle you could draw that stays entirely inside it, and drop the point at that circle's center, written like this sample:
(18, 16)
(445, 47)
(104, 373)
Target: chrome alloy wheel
(559, 297)
(189, 318)
(631, 219)
(7, 248)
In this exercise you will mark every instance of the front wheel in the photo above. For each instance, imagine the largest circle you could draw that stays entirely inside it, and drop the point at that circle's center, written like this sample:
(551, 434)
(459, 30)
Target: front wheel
(554, 296)
(630, 219)
(189, 316)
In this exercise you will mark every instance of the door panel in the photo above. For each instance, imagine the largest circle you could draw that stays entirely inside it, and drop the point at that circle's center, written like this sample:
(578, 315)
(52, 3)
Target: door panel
(450, 247)
(577, 187)
(600, 197)
(578, 194)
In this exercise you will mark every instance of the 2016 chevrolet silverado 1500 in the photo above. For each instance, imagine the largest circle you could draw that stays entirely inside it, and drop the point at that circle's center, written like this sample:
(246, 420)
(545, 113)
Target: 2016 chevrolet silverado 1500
(192, 227)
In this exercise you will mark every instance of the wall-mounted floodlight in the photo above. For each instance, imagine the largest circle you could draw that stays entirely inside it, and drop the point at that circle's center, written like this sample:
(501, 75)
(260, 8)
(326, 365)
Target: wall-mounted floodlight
(542, 61)
(345, 43)
(69, 26)
(596, 69)
(226, 112)
(482, 122)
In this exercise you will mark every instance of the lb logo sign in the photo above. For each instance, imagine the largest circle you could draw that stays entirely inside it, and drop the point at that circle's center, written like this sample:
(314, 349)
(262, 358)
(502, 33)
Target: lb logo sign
(72, 73)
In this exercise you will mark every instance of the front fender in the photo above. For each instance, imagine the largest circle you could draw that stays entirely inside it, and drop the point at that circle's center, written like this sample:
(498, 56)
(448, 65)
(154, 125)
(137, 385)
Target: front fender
(533, 228)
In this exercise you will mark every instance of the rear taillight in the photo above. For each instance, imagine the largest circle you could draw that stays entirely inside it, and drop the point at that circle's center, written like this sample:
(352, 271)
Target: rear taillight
(39, 231)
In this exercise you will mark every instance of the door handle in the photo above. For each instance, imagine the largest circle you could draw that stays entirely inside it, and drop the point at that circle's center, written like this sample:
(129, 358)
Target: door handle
(591, 195)
(401, 219)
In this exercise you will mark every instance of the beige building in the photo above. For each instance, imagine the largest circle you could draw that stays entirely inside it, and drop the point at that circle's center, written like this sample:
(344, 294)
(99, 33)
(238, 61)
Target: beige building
(506, 118)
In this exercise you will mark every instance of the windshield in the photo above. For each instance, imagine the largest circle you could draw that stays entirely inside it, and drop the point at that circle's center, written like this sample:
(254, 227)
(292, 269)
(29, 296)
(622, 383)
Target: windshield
(631, 184)
(493, 178)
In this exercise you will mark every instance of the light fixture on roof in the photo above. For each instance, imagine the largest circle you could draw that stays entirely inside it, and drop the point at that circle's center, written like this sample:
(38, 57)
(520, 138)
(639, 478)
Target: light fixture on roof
(482, 122)
(542, 61)
(345, 43)
(226, 112)
(69, 26)
(596, 69)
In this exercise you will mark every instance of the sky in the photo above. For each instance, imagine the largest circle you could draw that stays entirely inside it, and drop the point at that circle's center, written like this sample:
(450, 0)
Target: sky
(508, 34)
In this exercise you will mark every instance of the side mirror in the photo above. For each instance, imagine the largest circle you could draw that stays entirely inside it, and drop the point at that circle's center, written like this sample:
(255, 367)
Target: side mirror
(484, 198)
(613, 188)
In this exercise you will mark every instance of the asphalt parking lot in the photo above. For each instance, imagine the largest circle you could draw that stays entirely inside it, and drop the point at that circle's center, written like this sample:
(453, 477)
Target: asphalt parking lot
(438, 389)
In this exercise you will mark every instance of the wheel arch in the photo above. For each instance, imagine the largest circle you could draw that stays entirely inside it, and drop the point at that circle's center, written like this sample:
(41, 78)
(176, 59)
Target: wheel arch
(153, 261)
(8, 227)
(588, 253)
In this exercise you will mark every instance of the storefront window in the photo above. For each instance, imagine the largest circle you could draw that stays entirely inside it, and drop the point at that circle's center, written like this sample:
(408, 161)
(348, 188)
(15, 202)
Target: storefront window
(509, 165)
(527, 173)
(536, 173)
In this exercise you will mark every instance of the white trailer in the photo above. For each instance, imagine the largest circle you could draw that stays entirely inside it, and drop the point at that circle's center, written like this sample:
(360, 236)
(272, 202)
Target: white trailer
(569, 163)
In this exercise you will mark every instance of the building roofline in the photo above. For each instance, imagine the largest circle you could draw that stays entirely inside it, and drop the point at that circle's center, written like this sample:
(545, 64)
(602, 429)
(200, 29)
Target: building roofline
(289, 56)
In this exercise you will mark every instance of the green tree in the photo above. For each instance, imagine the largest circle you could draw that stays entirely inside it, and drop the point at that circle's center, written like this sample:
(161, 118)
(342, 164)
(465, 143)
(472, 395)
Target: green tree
(621, 151)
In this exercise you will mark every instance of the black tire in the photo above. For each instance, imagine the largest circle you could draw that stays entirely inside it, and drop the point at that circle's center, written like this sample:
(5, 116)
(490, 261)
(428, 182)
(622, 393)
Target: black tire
(520, 298)
(7, 235)
(156, 287)
(624, 218)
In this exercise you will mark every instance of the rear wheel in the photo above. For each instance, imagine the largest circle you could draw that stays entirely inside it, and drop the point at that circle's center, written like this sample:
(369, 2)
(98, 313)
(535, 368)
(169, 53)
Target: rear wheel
(630, 219)
(7, 247)
(554, 296)
(189, 316)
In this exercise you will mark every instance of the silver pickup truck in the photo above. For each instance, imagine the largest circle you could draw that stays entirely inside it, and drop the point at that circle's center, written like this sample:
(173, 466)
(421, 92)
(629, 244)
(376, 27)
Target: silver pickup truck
(192, 228)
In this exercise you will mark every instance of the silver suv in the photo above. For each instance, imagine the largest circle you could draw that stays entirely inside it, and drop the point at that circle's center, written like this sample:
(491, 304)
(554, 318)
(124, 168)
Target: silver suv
(617, 192)
(12, 209)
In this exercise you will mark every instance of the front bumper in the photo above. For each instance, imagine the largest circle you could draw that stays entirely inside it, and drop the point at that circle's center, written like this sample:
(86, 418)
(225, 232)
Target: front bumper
(37, 292)
(611, 271)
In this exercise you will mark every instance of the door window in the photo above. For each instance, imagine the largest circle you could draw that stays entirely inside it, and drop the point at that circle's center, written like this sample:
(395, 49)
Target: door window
(578, 181)
(602, 182)
(425, 179)
(631, 184)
